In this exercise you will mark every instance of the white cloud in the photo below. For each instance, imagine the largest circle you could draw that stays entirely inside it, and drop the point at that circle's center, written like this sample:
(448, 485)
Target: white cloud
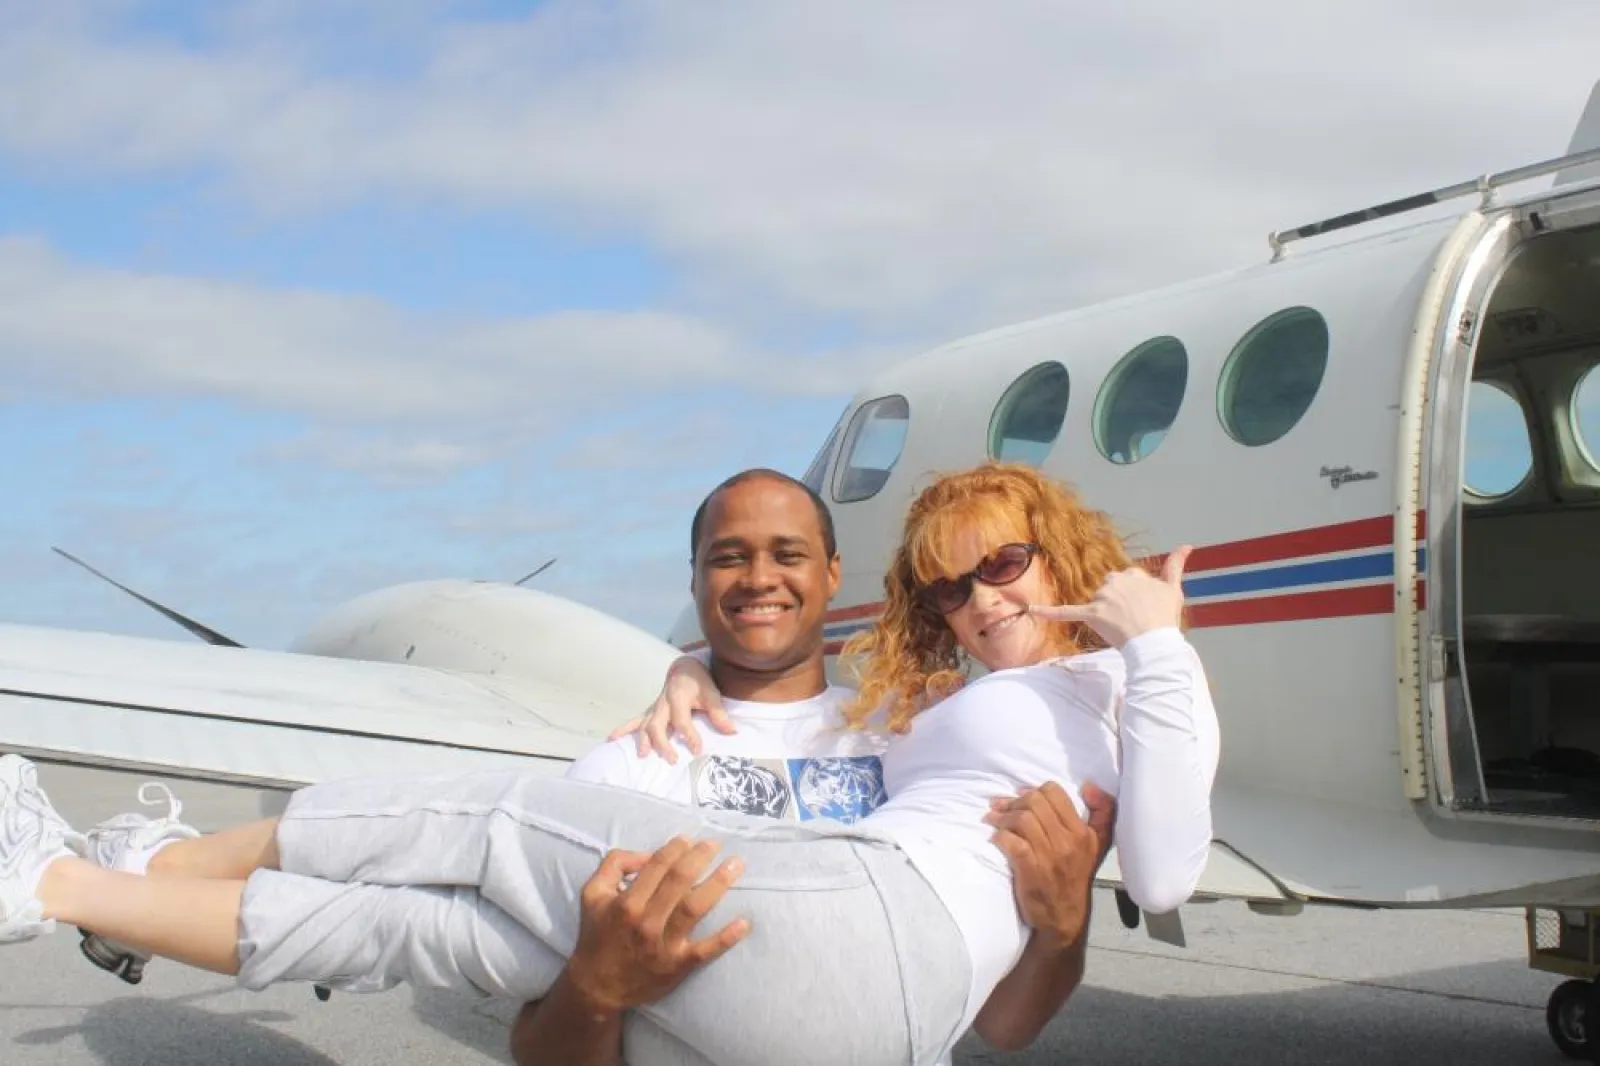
(93, 332)
(391, 459)
(730, 437)
(504, 521)
(924, 163)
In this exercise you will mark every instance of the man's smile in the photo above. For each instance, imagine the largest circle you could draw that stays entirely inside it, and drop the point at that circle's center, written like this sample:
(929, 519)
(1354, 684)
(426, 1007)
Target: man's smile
(759, 612)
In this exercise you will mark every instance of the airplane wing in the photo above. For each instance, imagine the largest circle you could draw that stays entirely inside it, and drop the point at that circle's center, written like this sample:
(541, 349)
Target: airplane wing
(281, 720)
(274, 719)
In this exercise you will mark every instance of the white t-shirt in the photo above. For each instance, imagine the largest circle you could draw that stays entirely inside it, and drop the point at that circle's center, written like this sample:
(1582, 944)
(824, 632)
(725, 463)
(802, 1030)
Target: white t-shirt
(1138, 723)
(794, 761)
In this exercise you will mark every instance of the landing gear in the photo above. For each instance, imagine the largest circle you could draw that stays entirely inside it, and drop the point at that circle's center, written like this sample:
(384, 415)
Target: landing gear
(1565, 942)
(1573, 1011)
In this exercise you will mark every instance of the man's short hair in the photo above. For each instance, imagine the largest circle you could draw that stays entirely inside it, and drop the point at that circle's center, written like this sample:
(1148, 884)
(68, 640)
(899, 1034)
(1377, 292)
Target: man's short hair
(824, 516)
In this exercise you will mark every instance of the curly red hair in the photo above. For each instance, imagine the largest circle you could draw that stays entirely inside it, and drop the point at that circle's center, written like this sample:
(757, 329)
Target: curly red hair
(908, 659)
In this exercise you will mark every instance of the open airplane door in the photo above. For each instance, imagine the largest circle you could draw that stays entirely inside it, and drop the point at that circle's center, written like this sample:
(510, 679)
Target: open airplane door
(1426, 416)
(1508, 633)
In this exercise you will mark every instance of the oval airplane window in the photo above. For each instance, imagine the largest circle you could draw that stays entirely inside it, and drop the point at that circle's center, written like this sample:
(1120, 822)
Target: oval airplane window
(872, 445)
(1586, 414)
(1140, 399)
(1272, 375)
(1499, 454)
(1029, 415)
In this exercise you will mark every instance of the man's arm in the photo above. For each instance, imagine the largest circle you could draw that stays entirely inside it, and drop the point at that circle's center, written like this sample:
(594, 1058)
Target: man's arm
(1053, 857)
(633, 948)
(1037, 987)
(566, 1028)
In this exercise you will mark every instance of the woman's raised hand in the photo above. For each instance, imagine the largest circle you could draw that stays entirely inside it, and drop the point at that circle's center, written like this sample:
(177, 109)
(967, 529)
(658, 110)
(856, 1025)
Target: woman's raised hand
(1130, 602)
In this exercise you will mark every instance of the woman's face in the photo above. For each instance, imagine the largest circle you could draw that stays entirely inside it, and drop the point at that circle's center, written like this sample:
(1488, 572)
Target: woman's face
(994, 625)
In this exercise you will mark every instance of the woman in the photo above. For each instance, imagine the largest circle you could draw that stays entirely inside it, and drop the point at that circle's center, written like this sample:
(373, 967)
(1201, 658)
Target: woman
(913, 898)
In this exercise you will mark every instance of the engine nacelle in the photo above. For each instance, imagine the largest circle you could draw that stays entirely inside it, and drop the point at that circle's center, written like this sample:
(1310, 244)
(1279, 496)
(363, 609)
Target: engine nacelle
(483, 627)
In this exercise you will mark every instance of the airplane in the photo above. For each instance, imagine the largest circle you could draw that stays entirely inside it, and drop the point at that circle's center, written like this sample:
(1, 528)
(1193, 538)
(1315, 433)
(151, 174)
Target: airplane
(1402, 636)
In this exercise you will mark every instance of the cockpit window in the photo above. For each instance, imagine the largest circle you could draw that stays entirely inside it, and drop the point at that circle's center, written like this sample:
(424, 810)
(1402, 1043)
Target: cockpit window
(1499, 453)
(1028, 417)
(872, 445)
(818, 470)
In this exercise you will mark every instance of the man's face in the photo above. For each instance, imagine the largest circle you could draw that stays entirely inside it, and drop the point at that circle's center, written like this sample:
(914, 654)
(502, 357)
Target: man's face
(762, 577)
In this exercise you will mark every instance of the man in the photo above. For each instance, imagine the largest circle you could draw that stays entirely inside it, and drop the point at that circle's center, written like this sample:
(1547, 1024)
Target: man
(764, 566)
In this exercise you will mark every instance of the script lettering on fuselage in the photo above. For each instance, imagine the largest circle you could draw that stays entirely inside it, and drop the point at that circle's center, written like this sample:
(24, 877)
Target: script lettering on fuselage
(1343, 475)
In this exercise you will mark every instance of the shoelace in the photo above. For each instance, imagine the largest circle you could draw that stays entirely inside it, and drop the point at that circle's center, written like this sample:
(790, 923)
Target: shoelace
(149, 833)
(174, 808)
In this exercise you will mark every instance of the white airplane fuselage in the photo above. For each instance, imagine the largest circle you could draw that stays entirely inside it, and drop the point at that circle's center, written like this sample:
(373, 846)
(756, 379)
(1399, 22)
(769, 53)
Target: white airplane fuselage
(1326, 589)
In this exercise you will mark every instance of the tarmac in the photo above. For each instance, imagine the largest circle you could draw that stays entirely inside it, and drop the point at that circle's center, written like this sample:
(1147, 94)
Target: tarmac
(1327, 987)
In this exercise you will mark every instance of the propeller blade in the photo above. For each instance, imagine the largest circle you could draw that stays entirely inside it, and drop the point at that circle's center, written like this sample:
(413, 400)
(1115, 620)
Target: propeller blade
(539, 571)
(210, 636)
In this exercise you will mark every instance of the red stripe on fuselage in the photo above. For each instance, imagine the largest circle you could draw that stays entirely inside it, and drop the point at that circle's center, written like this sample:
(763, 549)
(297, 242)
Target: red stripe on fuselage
(1298, 607)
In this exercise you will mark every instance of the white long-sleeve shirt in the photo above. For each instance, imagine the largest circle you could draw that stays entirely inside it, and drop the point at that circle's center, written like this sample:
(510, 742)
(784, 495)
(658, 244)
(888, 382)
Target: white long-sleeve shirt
(1137, 722)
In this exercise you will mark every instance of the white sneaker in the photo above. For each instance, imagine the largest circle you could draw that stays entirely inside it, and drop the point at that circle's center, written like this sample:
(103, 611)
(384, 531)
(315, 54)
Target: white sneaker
(32, 836)
(127, 843)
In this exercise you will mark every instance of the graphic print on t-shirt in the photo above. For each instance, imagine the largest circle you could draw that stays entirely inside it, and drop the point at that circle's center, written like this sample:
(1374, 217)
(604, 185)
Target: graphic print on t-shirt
(844, 788)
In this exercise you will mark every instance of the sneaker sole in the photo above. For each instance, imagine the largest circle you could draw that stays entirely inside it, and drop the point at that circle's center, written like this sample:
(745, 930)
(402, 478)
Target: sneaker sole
(111, 957)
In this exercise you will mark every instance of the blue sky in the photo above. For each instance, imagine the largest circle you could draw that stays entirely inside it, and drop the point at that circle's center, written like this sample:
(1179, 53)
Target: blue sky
(301, 299)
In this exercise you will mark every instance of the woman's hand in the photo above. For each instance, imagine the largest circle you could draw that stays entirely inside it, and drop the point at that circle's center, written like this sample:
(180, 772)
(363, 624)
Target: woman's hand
(1131, 602)
(1054, 855)
(689, 690)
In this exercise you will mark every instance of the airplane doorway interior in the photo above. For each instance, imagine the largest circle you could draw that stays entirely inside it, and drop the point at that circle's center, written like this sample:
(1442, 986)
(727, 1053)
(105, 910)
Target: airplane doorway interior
(1529, 560)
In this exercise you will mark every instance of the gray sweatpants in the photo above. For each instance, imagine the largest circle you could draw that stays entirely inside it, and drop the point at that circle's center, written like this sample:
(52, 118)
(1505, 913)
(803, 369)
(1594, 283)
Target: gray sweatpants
(473, 883)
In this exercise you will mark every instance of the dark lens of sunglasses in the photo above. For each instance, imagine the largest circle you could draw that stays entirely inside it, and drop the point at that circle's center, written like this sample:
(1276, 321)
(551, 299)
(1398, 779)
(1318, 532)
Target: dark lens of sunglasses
(945, 596)
(1005, 566)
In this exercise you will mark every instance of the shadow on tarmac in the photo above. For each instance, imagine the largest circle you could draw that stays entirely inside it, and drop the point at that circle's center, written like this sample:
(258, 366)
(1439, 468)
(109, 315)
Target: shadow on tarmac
(138, 1031)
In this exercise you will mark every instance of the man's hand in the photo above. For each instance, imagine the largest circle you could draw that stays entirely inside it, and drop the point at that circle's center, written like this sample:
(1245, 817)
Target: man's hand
(689, 689)
(1054, 855)
(634, 941)
(633, 948)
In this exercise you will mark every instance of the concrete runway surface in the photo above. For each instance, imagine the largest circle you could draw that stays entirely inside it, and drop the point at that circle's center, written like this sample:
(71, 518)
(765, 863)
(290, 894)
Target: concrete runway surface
(1340, 988)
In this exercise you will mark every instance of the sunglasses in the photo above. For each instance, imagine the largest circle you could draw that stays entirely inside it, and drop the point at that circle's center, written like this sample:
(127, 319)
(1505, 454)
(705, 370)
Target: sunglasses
(1005, 565)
